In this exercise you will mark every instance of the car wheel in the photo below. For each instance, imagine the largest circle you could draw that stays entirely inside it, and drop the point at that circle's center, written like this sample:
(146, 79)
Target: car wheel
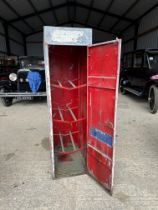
(6, 101)
(122, 90)
(153, 99)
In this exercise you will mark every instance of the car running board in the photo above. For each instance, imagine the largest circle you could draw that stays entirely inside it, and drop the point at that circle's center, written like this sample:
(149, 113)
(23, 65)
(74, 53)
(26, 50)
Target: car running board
(135, 92)
(22, 94)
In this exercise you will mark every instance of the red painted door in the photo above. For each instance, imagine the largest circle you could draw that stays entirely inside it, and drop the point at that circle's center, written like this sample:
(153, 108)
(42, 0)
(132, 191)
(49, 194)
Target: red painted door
(103, 76)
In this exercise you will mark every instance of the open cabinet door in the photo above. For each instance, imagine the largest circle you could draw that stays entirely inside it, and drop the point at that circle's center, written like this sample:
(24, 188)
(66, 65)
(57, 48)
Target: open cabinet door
(103, 76)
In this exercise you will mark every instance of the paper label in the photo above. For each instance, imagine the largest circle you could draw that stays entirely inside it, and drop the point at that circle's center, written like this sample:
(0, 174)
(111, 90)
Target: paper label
(66, 36)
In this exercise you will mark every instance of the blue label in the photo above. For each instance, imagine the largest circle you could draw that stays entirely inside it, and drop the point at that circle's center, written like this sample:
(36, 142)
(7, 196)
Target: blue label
(98, 134)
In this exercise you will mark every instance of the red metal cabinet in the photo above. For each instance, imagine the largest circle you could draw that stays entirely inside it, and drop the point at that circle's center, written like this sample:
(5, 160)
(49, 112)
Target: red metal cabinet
(82, 83)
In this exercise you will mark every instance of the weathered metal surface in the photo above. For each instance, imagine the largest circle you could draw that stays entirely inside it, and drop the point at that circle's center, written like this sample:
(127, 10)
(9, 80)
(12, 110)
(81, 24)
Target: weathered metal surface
(82, 86)
(67, 36)
(103, 74)
(49, 99)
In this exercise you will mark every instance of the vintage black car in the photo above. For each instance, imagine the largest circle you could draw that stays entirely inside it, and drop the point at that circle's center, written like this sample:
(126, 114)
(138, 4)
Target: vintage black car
(8, 65)
(139, 75)
(27, 81)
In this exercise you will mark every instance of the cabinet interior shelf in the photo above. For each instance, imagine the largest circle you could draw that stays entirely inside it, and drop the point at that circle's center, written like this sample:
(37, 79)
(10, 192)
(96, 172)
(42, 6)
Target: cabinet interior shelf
(66, 148)
(59, 115)
(67, 85)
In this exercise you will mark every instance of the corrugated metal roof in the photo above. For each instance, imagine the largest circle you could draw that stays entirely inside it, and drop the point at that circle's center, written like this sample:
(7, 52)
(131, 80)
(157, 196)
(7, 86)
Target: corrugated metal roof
(148, 41)
(109, 15)
(108, 22)
(102, 36)
(62, 15)
(35, 38)
(86, 2)
(1, 28)
(81, 14)
(5, 12)
(128, 47)
(16, 48)
(129, 33)
(35, 22)
(22, 7)
(58, 2)
(95, 20)
(2, 44)
(120, 6)
(102, 4)
(48, 18)
(120, 26)
(22, 27)
(141, 7)
(40, 4)
(149, 21)
(15, 35)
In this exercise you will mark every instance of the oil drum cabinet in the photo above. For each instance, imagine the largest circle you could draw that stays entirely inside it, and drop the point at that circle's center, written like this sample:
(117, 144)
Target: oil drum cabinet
(82, 86)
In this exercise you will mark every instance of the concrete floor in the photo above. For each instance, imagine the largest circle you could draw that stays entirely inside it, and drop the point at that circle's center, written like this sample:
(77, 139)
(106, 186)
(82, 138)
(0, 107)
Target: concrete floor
(25, 179)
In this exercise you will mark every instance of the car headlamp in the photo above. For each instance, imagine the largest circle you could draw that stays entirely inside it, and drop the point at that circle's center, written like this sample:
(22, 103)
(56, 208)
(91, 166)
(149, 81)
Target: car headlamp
(13, 77)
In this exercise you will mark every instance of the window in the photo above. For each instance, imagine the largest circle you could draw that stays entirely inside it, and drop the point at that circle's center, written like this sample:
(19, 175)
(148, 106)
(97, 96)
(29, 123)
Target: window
(138, 60)
(153, 61)
(145, 63)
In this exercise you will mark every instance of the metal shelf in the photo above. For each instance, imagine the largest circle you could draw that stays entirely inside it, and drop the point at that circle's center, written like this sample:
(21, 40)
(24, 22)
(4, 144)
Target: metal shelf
(67, 85)
(62, 119)
(68, 148)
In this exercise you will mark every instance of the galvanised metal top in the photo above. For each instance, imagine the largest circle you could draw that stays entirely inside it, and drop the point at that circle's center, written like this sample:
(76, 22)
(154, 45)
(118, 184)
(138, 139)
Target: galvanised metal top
(67, 36)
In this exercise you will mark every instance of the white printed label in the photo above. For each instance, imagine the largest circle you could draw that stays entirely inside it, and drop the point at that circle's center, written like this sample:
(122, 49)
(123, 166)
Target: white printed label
(66, 36)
